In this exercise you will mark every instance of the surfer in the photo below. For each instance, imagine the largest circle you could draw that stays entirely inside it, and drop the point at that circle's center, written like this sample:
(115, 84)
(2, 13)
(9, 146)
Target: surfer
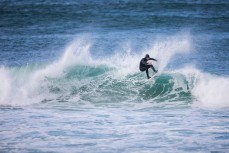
(145, 64)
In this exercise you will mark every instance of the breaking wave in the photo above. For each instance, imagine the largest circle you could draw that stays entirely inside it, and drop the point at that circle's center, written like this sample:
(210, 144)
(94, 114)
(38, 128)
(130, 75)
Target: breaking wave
(80, 77)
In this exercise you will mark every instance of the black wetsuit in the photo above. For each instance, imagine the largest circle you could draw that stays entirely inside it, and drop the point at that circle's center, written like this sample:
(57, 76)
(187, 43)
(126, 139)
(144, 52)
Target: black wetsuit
(144, 67)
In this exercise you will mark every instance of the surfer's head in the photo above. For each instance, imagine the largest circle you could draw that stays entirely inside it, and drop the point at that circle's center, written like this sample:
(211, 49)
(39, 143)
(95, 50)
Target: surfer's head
(147, 56)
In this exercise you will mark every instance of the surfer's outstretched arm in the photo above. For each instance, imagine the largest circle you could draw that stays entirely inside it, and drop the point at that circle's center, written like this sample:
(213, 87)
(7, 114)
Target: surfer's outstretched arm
(153, 59)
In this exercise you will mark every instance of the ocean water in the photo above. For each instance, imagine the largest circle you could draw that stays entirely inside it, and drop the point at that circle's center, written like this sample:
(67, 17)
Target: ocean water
(69, 77)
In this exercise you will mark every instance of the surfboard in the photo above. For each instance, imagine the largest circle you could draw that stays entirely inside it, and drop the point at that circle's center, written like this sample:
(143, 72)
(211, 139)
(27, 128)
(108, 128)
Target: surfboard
(153, 76)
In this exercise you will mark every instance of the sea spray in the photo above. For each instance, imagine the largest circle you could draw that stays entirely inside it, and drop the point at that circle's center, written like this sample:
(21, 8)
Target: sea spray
(164, 48)
(168, 46)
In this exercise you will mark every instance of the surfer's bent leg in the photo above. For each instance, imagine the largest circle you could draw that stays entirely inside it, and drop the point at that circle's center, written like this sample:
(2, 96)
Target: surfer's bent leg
(153, 68)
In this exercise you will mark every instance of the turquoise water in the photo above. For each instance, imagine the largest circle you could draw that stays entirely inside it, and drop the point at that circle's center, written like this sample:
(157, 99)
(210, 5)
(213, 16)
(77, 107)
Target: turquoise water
(70, 80)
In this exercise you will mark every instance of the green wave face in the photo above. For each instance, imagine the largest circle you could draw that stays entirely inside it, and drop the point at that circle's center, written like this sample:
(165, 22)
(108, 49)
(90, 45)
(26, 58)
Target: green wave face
(101, 85)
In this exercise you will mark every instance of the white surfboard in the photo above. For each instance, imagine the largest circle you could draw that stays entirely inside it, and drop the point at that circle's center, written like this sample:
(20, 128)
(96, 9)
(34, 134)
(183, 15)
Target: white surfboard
(153, 76)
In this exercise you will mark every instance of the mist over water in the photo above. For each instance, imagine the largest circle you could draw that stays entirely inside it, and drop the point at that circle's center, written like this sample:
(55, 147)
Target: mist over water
(70, 79)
